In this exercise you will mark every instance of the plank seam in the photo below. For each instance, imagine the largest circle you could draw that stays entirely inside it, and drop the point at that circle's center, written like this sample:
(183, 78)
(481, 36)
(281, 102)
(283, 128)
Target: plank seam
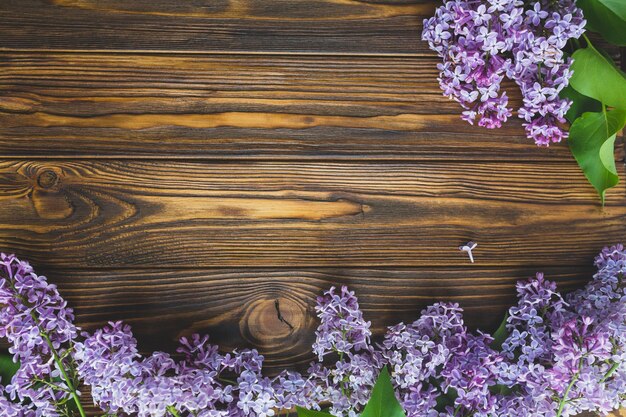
(356, 159)
(266, 268)
(7, 51)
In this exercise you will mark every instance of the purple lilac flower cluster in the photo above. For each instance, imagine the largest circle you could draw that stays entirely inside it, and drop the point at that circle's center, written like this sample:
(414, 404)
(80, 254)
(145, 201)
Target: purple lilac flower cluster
(566, 355)
(122, 381)
(37, 323)
(482, 43)
(563, 355)
(344, 336)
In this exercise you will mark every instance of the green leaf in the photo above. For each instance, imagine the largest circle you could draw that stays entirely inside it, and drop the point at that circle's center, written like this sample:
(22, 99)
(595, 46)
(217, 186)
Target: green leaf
(608, 17)
(580, 103)
(501, 333)
(500, 389)
(383, 402)
(607, 154)
(8, 368)
(591, 140)
(596, 77)
(303, 412)
(446, 400)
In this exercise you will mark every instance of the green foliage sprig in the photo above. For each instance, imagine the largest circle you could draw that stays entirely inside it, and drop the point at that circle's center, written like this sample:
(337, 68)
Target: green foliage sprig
(598, 92)
(382, 402)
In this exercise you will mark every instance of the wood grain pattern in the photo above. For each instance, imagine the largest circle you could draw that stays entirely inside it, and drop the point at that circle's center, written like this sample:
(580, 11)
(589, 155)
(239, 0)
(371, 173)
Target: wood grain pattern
(237, 307)
(111, 213)
(183, 166)
(311, 26)
(242, 106)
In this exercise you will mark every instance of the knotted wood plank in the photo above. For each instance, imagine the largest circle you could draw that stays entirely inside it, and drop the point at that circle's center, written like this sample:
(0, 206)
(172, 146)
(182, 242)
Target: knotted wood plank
(272, 309)
(142, 213)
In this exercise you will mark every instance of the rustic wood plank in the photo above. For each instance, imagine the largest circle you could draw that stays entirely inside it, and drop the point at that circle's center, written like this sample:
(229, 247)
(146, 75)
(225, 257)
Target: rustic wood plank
(237, 307)
(313, 26)
(110, 213)
(242, 106)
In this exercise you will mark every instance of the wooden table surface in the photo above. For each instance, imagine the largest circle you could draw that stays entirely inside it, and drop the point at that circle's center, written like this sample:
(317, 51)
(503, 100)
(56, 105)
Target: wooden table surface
(195, 166)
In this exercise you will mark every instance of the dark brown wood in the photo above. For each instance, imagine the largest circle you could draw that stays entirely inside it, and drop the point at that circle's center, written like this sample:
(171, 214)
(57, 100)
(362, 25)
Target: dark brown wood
(183, 166)
(134, 213)
(242, 106)
(310, 26)
(237, 307)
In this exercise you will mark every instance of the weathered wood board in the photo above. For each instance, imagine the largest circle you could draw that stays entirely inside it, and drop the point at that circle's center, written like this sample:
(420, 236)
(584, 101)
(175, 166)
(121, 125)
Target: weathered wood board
(196, 166)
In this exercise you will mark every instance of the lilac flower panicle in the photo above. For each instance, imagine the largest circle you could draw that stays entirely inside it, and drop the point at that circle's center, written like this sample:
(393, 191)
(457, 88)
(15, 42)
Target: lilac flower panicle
(563, 355)
(344, 332)
(124, 381)
(539, 307)
(342, 328)
(471, 372)
(482, 43)
(107, 362)
(38, 325)
(417, 353)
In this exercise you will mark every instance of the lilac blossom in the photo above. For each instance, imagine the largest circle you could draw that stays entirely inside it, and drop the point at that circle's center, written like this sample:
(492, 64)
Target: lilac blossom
(417, 352)
(471, 371)
(123, 381)
(342, 328)
(344, 333)
(539, 307)
(37, 323)
(570, 350)
(484, 43)
(11, 409)
(563, 355)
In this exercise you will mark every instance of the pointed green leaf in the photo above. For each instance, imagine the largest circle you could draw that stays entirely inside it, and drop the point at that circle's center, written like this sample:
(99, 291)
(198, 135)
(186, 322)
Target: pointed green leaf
(501, 333)
(608, 17)
(383, 402)
(594, 76)
(8, 368)
(303, 412)
(607, 154)
(580, 103)
(591, 140)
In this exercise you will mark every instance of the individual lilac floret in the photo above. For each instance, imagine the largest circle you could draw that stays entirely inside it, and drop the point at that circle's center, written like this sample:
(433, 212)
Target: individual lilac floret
(483, 42)
(39, 326)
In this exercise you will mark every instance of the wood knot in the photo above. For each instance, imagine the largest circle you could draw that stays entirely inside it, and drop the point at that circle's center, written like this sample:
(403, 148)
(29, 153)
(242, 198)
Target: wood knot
(49, 198)
(271, 323)
(48, 179)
